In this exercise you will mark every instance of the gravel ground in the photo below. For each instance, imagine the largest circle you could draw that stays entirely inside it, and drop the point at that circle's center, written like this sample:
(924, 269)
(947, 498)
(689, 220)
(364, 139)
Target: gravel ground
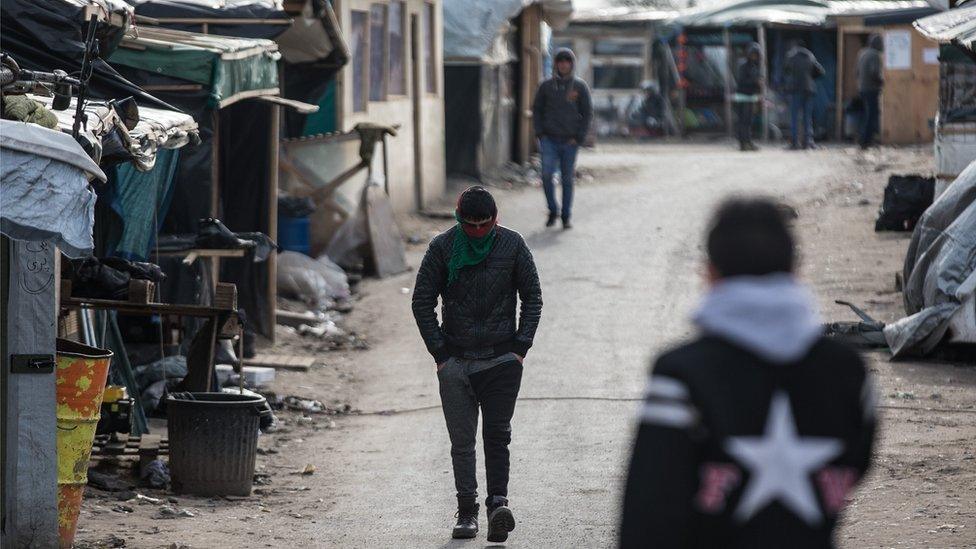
(382, 473)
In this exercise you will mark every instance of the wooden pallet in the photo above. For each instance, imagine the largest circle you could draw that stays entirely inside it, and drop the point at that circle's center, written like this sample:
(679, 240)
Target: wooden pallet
(297, 363)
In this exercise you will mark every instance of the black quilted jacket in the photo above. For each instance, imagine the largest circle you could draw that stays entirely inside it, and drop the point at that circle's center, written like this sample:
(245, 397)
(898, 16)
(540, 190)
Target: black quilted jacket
(478, 309)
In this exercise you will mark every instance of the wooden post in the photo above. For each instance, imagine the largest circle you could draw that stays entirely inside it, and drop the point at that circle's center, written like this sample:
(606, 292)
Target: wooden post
(764, 74)
(839, 93)
(531, 52)
(273, 218)
(727, 38)
(215, 164)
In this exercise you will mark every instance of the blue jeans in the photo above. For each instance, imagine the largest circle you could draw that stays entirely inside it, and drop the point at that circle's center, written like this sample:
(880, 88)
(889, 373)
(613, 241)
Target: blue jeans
(801, 105)
(558, 156)
(869, 119)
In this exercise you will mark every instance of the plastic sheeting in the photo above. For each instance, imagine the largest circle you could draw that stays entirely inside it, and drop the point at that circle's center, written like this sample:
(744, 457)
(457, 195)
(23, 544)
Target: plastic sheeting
(232, 68)
(266, 16)
(472, 27)
(940, 269)
(48, 34)
(44, 192)
(794, 13)
(957, 26)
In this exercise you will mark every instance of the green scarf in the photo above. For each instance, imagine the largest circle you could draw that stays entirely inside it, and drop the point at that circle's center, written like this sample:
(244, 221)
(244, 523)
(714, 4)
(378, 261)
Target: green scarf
(467, 251)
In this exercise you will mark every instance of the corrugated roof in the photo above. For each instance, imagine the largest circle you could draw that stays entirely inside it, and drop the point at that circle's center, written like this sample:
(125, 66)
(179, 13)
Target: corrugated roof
(622, 14)
(803, 13)
(956, 26)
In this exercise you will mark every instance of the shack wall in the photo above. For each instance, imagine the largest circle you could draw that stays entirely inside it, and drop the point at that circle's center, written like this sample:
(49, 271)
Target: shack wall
(404, 174)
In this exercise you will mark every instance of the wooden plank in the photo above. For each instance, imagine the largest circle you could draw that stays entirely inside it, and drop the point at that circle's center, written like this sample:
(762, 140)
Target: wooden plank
(386, 242)
(142, 308)
(298, 363)
(271, 297)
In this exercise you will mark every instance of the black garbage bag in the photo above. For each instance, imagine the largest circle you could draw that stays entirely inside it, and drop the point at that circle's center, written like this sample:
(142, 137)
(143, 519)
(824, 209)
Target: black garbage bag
(905, 200)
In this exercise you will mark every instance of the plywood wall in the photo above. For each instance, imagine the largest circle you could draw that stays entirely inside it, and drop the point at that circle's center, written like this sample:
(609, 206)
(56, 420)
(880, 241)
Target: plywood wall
(911, 95)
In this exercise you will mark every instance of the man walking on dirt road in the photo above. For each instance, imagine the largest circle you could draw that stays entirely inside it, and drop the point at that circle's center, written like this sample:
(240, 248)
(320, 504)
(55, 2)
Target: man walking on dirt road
(755, 433)
(477, 269)
(561, 115)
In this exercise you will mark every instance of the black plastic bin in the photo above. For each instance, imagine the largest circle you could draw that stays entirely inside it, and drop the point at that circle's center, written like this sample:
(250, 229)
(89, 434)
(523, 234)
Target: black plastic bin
(213, 442)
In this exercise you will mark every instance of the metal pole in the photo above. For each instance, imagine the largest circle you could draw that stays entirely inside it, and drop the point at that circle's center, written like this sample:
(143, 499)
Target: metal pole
(764, 75)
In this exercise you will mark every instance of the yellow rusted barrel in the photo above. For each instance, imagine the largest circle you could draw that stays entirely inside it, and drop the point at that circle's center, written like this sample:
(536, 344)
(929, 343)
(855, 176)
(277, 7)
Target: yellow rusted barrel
(81, 377)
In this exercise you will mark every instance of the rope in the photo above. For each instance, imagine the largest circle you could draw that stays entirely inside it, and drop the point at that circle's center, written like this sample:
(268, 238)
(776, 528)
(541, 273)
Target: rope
(401, 411)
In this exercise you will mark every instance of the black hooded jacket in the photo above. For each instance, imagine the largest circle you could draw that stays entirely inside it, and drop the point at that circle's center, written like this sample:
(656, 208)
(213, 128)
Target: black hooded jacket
(718, 425)
(478, 310)
(562, 108)
(870, 69)
(748, 77)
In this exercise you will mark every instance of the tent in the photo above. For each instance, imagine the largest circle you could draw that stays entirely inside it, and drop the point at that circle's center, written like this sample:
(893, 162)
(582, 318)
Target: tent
(940, 273)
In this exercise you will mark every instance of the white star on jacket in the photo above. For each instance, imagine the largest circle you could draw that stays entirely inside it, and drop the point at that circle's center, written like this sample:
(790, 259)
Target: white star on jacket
(780, 463)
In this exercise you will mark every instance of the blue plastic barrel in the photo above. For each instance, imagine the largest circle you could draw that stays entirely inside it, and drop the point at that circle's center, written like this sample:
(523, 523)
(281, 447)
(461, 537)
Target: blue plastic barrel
(293, 233)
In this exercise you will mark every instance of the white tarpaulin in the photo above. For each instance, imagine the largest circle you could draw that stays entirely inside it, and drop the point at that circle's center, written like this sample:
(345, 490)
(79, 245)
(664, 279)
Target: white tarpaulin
(472, 27)
(44, 192)
(940, 271)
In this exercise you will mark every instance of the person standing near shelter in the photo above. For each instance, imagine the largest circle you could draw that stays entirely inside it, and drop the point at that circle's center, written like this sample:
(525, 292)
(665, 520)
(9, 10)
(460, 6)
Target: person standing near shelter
(748, 94)
(870, 80)
(801, 71)
(478, 268)
(755, 433)
(561, 115)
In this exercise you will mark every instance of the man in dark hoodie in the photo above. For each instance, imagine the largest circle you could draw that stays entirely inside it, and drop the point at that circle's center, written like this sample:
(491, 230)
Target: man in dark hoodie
(870, 80)
(477, 269)
(755, 433)
(748, 81)
(801, 70)
(561, 115)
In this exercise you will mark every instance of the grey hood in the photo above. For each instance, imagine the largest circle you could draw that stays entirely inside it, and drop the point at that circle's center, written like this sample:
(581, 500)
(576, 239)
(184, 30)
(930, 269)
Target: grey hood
(563, 52)
(772, 316)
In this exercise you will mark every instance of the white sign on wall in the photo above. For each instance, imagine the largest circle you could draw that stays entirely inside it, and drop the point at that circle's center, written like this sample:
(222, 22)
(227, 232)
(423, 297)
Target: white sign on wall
(898, 49)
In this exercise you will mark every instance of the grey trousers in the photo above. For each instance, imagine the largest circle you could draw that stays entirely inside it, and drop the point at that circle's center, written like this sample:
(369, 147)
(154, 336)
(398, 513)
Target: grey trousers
(491, 385)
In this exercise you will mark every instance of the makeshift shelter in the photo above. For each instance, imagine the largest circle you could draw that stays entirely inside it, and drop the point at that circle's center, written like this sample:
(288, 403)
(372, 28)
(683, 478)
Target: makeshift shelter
(940, 274)
(48, 35)
(911, 73)
(493, 63)
(955, 125)
(773, 23)
(307, 33)
(46, 206)
(230, 86)
(618, 54)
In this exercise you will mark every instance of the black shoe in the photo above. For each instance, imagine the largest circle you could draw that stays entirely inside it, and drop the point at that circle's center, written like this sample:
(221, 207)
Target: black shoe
(212, 234)
(467, 520)
(567, 224)
(500, 523)
(552, 220)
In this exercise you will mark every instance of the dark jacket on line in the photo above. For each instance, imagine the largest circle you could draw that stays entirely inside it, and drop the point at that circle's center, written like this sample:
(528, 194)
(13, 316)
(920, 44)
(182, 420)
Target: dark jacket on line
(478, 310)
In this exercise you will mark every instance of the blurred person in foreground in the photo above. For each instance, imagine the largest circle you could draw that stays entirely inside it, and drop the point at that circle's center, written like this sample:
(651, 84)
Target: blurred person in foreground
(756, 433)
(479, 270)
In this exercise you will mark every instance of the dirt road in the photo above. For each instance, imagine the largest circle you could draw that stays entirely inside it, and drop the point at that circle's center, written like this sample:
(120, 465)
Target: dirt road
(618, 288)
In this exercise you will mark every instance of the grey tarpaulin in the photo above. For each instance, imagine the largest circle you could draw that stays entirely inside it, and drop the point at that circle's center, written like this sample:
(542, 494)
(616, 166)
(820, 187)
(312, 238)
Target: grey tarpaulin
(940, 268)
(471, 27)
(44, 193)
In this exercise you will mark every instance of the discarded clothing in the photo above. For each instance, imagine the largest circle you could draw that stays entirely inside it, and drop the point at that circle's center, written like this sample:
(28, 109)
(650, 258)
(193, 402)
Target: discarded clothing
(24, 109)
